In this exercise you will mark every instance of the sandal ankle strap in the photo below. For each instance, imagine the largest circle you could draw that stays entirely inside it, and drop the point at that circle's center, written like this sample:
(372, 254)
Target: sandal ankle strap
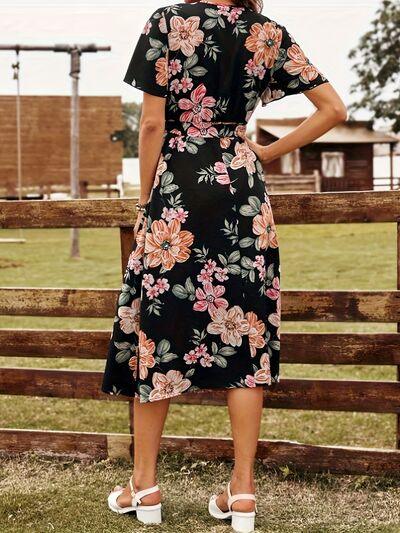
(136, 496)
(236, 497)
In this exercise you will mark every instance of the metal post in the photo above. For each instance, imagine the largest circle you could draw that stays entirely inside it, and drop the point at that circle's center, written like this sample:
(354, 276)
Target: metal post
(74, 160)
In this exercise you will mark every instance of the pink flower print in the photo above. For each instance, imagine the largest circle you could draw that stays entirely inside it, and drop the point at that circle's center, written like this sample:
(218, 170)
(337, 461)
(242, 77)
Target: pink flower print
(263, 375)
(264, 227)
(256, 332)
(204, 276)
(209, 298)
(130, 317)
(146, 358)
(207, 360)
(166, 385)
(147, 27)
(162, 284)
(161, 168)
(148, 280)
(222, 173)
(170, 214)
(299, 64)
(197, 109)
(221, 274)
(259, 264)
(244, 157)
(250, 381)
(223, 10)
(133, 364)
(134, 263)
(201, 350)
(175, 66)
(275, 318)
(185, 34)
(230, 324)
(273, 292)
(225, 142)
(234, 14)
(177, 141)
(152, 292)
(202, 129)
(190, 357)
(254, 69)
(175, 86)
(186, 84)
(210, 265)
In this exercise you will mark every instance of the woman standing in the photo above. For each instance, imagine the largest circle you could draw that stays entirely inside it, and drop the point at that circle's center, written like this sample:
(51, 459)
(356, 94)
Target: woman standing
(200, 304)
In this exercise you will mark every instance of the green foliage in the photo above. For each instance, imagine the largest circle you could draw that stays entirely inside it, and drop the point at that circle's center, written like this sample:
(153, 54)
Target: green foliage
(377, 66)
(130, 137)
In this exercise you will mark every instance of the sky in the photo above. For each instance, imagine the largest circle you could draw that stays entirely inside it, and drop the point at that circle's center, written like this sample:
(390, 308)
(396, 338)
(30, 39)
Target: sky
(325, 29)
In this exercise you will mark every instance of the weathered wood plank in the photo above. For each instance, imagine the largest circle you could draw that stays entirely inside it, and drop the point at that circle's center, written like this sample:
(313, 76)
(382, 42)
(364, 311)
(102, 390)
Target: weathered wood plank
(298, 208)
(337, 306)
(273, 453)
(297, 347)
(325, 395)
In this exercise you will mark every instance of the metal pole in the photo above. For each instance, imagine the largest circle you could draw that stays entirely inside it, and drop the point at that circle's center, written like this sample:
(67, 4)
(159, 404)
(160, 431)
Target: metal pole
(18, 117)
(74, 163)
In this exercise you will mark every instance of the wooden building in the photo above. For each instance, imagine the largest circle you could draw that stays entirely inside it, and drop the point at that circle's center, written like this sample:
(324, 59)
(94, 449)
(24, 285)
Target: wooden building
(45, 142)
(343, 156)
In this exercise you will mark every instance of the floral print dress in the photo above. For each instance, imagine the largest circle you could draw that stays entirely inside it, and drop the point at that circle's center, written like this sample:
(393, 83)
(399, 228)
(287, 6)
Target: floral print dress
(200, 303)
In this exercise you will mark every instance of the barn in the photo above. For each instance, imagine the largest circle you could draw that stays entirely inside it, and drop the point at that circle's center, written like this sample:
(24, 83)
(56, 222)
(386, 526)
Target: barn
(45, 143)
(339, 160)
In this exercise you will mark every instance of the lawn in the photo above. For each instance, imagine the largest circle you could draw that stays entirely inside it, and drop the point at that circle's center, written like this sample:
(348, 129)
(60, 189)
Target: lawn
(342, 256)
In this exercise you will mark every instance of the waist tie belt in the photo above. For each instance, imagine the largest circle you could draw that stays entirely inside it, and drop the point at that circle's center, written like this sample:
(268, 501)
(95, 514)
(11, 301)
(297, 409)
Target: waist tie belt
(177, 128)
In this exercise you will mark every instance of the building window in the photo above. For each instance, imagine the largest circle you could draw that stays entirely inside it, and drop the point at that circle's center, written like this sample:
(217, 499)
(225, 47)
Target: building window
(333, 164)
(290, 163)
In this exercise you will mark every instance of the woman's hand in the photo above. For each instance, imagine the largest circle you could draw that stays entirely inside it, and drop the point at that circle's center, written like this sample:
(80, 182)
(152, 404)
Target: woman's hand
(260, 150)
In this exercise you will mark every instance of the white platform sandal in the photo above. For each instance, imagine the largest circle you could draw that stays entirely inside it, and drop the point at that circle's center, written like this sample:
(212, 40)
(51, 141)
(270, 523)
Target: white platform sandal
(241, 522)
(148, 514)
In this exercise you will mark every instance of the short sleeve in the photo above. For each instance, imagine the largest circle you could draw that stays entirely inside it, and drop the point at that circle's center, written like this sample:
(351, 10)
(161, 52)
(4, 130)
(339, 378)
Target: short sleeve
(292, 71)
(148, 67)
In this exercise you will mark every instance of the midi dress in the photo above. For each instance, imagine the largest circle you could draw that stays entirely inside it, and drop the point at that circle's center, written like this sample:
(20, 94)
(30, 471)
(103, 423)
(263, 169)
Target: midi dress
(200, 303)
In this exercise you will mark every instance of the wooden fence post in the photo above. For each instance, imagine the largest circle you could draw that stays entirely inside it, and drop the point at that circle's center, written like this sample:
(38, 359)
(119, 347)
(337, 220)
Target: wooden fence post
(126, 238)
(398, 328)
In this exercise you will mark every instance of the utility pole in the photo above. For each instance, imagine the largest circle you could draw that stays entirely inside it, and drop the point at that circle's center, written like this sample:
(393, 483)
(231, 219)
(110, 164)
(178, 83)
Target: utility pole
(74, 159)
(75, 51)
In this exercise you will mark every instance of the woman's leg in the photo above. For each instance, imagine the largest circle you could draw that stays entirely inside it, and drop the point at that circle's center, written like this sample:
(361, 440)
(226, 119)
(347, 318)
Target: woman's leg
(245, 410)
(148, 424)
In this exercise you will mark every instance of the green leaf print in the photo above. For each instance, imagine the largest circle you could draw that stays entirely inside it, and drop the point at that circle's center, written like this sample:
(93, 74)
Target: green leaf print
(168, 357)
(246, 242)
(163, 347)
(180, 292)
(220, 361)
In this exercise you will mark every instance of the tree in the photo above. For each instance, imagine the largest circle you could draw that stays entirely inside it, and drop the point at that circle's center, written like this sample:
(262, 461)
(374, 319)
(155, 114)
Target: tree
(376, 63)
(130, 134)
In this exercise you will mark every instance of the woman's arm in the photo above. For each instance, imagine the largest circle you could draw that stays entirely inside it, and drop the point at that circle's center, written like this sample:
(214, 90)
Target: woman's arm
(151, 131)
(331, 110)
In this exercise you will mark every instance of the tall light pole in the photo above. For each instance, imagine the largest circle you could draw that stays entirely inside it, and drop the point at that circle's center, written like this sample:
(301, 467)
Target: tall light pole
(75, 51)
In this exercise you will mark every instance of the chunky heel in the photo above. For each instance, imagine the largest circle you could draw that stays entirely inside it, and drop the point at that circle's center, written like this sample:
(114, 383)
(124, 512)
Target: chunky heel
(149, 514)
(243, 522)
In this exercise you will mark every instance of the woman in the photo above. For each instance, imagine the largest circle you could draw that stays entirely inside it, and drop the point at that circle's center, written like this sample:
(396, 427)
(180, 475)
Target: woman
(200, 304)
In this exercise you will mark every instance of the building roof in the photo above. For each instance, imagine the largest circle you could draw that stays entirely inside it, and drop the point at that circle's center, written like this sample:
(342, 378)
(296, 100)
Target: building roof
(354, 132)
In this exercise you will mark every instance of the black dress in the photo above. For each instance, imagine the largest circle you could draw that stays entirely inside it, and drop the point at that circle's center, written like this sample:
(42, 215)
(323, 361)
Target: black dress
(200, 304)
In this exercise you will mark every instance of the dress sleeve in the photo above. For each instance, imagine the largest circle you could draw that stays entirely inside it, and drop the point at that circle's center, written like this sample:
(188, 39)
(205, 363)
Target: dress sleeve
(148, 67)
(292, 71)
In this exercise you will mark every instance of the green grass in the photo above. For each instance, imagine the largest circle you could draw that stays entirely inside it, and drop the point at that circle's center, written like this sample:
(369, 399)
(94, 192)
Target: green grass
(43, 495)
(47, 495)
(342, 256)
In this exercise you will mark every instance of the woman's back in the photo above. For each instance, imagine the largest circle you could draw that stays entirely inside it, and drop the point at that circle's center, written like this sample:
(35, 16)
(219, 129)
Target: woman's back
(214, 62)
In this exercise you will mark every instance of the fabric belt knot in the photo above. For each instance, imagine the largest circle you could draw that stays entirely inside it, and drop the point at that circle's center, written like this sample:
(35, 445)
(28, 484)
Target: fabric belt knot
(177, 128)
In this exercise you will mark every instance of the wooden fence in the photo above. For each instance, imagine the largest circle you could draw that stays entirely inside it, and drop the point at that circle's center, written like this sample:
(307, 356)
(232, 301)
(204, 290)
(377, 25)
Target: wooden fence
(310, 348)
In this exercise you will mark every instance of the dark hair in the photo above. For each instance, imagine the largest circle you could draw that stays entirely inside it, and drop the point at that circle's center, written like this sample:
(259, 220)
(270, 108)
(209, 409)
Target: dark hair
(255, 5)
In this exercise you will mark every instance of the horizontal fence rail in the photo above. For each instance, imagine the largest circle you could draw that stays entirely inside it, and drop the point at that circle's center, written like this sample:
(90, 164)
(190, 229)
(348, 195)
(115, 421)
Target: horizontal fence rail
(293, 208)
(335, 306)
(310, 348)
(330, 395)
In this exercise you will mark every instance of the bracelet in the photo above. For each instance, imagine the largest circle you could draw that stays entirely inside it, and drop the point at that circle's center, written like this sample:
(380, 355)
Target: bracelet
(141, 207)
